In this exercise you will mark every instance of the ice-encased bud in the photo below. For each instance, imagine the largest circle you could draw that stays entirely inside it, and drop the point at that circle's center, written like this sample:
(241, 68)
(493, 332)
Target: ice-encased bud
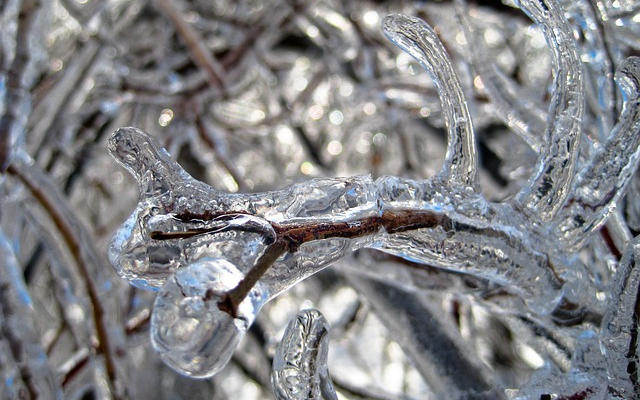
(188, 328)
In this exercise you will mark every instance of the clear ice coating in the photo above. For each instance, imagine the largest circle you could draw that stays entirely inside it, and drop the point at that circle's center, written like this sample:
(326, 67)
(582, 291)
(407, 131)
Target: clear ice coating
(189, 330)
(179, 218)
(551, 182)
(595, 193)
(300, 364)
(196, 244)
(420, 41)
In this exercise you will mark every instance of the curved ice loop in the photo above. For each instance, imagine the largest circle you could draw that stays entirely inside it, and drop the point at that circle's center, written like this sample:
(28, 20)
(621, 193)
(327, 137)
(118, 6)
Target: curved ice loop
(550, 185)
(603, 181)
(598, 52)
(179, 219)
(419, 40)
(619, 335)
(521, 114)
(189, 329)
(300, 364)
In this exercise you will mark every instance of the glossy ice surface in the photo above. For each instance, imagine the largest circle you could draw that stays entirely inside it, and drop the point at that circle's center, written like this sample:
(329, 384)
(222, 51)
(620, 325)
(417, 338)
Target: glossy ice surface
(195, 244)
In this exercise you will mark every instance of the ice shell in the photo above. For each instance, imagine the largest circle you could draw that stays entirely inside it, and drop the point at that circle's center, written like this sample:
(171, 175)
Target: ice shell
(300, 364)
(191, 333)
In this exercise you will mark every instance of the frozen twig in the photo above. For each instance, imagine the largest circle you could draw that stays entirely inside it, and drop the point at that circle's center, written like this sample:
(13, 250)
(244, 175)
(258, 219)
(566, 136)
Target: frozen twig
(551, 182)
(421, 42)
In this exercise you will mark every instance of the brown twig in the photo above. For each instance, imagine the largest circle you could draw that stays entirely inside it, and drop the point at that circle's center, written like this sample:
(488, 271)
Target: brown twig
(234, 297)
(291, 236)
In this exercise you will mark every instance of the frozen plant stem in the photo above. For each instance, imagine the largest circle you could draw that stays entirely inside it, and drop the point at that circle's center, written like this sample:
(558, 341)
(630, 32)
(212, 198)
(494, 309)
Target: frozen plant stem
(217, 258)
(291, 236)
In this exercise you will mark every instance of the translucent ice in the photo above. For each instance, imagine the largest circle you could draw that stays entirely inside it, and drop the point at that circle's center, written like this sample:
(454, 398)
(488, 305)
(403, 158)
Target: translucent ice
(189, 329)
(179, 218)
(300, 364)
(202, 247)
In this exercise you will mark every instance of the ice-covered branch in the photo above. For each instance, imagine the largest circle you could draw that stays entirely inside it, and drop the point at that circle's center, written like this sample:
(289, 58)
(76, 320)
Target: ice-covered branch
(602, 182)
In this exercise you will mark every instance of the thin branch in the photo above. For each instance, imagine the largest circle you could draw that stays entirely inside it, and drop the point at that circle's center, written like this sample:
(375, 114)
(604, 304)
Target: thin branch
(291, 236)
(201, 55)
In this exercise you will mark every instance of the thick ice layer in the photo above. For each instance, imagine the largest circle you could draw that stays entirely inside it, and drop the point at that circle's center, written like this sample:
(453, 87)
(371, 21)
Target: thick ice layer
(188, 328)
(464, 232)
(179, 218)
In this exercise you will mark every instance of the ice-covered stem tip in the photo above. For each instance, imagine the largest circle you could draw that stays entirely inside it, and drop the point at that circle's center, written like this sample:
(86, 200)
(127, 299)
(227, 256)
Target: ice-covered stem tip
(420, 41)
(300, 369)
(603, 180)
(551, 183)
